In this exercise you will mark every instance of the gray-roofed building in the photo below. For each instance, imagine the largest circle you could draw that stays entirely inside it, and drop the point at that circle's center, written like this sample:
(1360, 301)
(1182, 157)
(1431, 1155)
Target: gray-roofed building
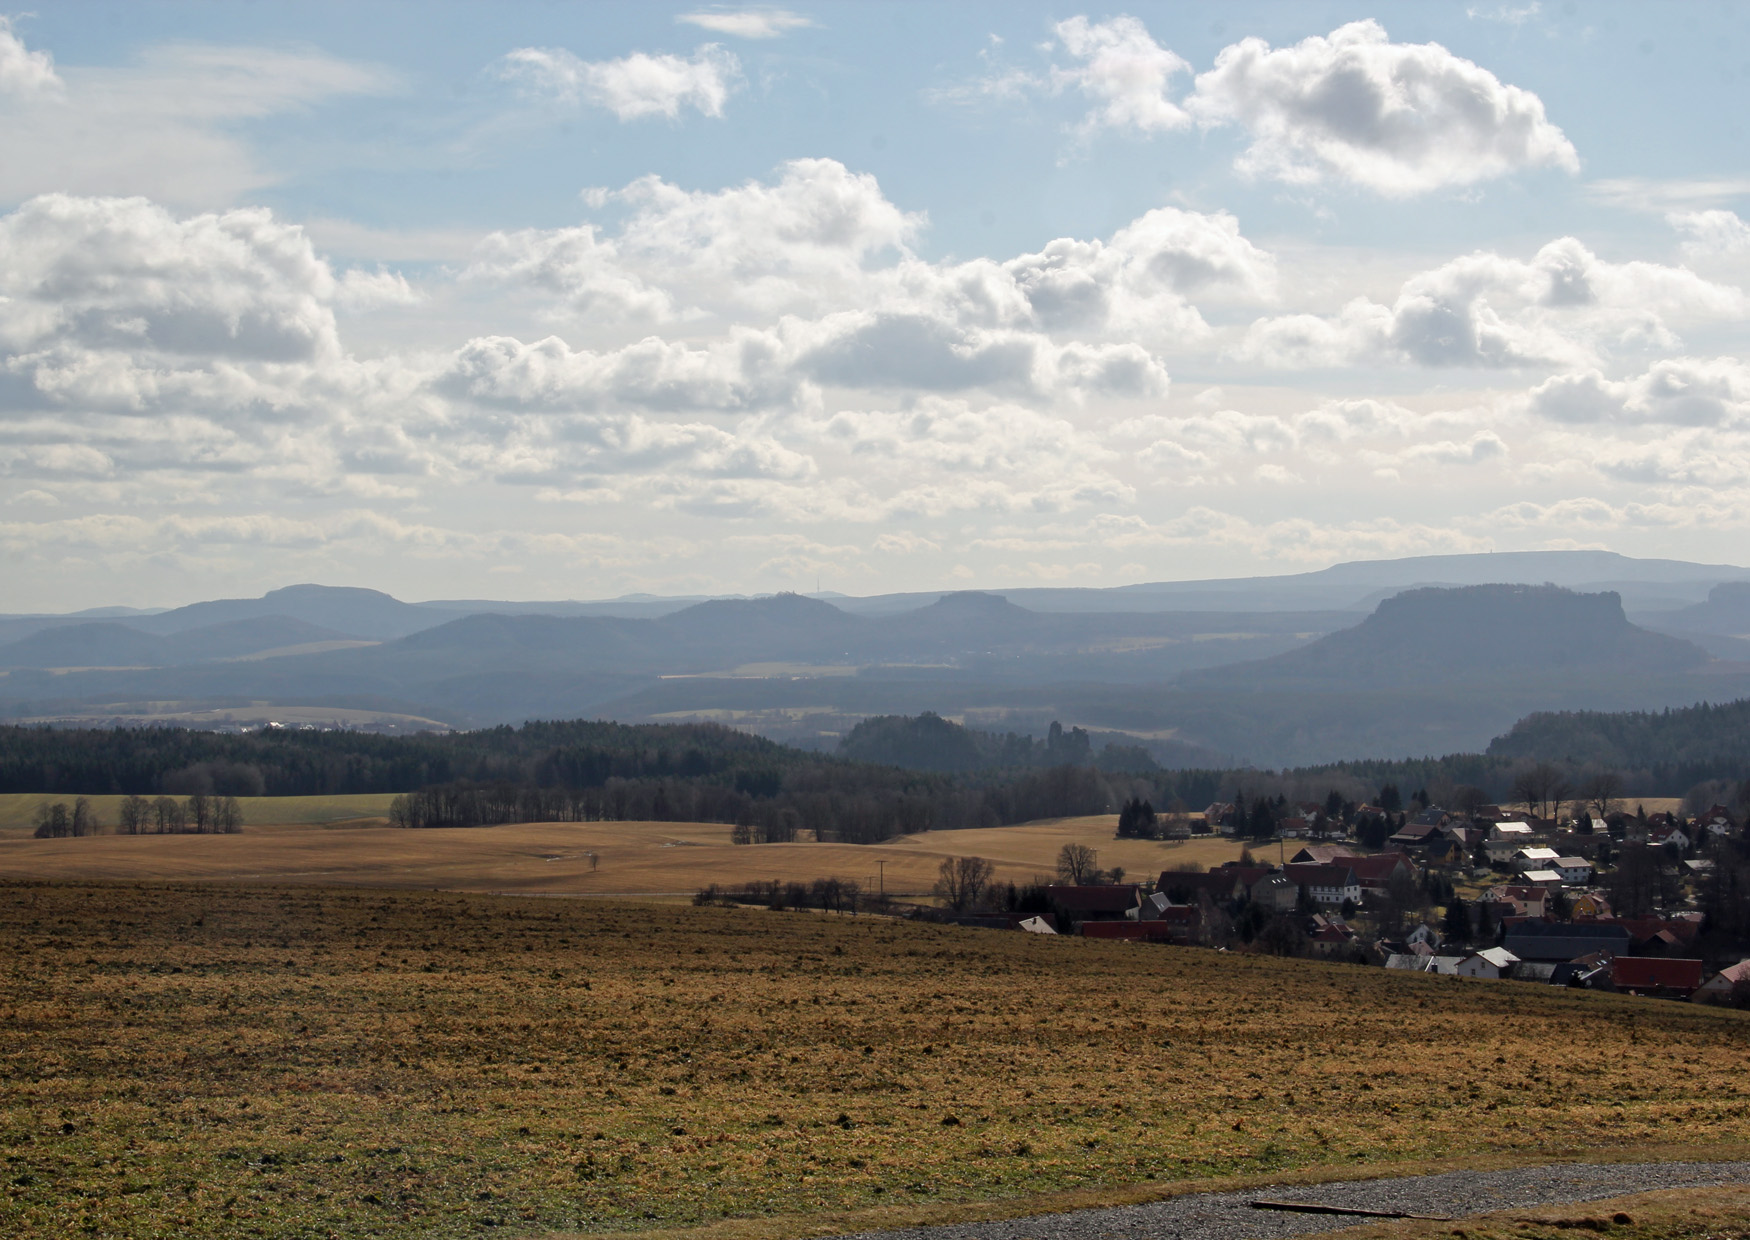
(1550, 940)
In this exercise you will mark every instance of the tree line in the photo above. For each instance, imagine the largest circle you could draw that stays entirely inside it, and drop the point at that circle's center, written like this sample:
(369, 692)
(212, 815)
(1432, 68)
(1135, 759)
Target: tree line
(198, 815)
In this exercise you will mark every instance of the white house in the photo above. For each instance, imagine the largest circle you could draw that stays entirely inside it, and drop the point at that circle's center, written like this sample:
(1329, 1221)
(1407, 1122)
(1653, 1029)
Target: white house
(1495, 962)
(1536, 859)
(1543, 878)
(1722, 986)
(1507, 838)
(1575, 871)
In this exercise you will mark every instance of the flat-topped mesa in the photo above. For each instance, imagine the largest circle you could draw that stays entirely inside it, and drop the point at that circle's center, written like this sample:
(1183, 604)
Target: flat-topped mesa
(1487, 632)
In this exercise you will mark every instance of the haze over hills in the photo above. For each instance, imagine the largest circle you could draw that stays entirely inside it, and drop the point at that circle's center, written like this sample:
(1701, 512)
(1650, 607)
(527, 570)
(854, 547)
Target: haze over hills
(1428, 670)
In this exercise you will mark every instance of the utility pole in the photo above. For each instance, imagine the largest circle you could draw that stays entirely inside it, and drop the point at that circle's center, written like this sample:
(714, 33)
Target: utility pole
(881, 876)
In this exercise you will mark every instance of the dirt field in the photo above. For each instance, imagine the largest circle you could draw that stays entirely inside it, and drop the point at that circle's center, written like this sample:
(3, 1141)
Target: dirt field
(297, 1062)
(553, 858)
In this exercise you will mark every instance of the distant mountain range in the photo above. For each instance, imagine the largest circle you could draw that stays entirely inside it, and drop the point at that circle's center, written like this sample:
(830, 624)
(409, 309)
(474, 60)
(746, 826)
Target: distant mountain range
(1359, 660)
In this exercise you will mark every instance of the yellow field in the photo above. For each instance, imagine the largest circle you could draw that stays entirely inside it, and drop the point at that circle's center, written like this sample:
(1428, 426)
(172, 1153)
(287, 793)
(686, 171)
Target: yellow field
(214, 1062)
(16, 809)
(631, 858)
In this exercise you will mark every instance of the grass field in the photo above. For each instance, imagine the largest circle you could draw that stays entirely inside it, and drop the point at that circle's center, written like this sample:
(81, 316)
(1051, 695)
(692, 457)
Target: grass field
(295, 1062)
(553, 858)
(16, 809)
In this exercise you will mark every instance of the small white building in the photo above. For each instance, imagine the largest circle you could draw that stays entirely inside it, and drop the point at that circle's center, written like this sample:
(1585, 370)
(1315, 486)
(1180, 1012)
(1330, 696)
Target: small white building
(1543, 878)
(1536, 859)
(1037, 925)
(1495, 962)
(1575, 871)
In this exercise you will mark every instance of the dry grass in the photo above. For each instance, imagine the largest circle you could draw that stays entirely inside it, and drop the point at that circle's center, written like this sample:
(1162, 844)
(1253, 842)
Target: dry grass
(632, 858)
(303, 1062)
(16, 809)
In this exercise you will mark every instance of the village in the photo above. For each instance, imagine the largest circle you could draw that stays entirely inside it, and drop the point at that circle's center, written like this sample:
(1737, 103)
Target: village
(1636, 903)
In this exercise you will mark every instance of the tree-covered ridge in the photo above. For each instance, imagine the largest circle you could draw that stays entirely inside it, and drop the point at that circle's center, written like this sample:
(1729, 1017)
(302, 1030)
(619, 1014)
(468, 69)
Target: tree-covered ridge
(286, 762)
(1703, 737)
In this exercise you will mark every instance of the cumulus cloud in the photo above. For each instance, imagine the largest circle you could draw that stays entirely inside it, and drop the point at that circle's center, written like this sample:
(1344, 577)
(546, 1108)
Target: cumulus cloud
(804, 242)
(1563, 307)
(1396, 118)
(653, 374)
(22, 71)
(123, 273)
(888, 351)
(820, 240)
(1681, 391)
(747, 23)
(1123, 71)
(1708, 234)
(633, 87)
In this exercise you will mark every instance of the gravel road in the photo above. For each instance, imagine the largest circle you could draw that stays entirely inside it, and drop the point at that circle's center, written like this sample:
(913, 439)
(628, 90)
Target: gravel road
(1227, 1216)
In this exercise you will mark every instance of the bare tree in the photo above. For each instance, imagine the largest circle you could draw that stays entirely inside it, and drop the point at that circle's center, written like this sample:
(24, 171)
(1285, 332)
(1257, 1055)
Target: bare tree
(1076, 864)
(1541, 785)
(228, 817)
(962, 880)
(136, 815)
(84, 818)
(1603, 792)
(200, 812)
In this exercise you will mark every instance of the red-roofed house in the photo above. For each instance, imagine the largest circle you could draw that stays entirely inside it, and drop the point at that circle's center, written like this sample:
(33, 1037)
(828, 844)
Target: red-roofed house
(1661, 977)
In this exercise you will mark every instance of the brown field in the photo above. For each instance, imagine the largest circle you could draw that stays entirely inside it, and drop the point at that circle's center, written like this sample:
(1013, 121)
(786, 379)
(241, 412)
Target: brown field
(294, 1062)
(632, 858)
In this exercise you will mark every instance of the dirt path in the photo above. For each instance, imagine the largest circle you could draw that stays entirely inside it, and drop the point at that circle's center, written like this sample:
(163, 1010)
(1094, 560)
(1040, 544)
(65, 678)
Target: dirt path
(1229, 1216)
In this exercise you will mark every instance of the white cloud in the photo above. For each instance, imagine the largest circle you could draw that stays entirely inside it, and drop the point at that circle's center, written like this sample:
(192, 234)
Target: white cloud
(1563, 307)
(124, 274)
(1709, 234)
(22, 71)
(1123, 71)
(1660, 196)
(747, 23)
(739, 373)
(633, 87)
(1684, 391)
(1506, 14)
(164, 125)
(1399, 119)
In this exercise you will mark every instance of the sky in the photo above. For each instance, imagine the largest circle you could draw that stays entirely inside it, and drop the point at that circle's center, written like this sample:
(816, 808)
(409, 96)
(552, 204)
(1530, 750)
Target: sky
(549, 300)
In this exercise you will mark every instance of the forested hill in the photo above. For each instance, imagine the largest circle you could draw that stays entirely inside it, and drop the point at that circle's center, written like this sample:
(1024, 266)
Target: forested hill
(1695, 742)
(287, 762)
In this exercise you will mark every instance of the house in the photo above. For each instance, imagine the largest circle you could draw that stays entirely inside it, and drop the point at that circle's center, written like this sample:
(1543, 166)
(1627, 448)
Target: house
(1036, 925)
(1409, 962)
(1535, 859)
(1543, 878)
(1377, 871)
(1423, 934)
(1726, 986)
(1550, 940)
(1293, 828)
(1110, 902)
(1575, 871)
(1523, 899)
(1590, 904)
(1517, 833)
(1151, 908)
(1413, 834)
(1698, 869)
(1495, 962)
(1133, 931)
(1275, 891)
(1659, 978)
(1328, 885)
(1318, 854)
(1672, 834)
